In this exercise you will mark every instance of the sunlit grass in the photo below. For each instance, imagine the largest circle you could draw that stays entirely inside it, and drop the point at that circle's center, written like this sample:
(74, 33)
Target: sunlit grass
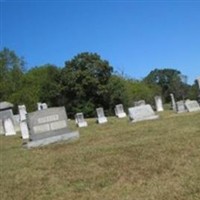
(158, 159)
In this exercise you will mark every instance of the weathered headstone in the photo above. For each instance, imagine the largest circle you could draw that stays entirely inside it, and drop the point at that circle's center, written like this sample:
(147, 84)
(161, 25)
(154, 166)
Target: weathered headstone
(159, 104)
(100, 116)
(80, 121)
(139, 103)
(140, 113)
(22, 112)
(180, 106)
(173, 103)
(119, 111)
(7, 119)
(49, 126)
(23, 122)
(9, 127)
(192, 105)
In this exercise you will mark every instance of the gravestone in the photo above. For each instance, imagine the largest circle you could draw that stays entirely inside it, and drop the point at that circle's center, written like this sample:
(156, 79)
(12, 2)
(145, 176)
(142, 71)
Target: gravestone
(80, 121)
(7, 118)
(139, 103)
(49, 126)
(159, 104)
(119, 111)
(22, 112)
(42, 106)
(180, 106)
(140, 113)
(9, 127)
(100, 116)
(23, 122)
(192, 106)
(173, 103)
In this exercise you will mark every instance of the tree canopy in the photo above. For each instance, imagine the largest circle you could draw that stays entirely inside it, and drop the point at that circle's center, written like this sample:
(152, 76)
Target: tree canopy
(84, 83)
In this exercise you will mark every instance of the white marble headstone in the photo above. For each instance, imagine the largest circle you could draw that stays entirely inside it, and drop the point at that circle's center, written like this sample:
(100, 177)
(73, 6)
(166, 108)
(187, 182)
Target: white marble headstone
(173, 103)
(192, 105)
(159, 104)
(9, 127)
(119, 111)
(140, 113)
(22, 112)
(80, 120)
(100, 116)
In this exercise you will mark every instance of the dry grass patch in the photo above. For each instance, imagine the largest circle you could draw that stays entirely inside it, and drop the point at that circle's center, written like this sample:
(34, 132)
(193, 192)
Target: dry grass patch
(156, 159)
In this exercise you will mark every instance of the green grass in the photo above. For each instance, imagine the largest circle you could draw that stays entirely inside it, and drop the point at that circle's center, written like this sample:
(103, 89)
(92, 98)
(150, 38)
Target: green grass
(158, 159)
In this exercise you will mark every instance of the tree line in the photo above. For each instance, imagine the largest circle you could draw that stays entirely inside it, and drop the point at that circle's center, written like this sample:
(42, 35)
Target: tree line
(84, 83)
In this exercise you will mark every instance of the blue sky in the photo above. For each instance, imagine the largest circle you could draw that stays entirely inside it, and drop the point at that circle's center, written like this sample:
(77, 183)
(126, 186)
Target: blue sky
(134, 36)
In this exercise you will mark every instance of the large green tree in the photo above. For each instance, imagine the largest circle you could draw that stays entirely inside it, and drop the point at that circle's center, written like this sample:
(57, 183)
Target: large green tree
(84, 83)
(11, 74)
(170, 80)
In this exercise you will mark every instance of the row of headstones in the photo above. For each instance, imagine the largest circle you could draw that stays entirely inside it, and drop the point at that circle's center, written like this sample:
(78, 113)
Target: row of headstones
(135, 114)
(184, 106)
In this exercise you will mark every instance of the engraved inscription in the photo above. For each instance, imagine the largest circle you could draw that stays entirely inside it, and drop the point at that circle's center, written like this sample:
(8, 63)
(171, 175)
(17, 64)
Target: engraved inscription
(47, 119)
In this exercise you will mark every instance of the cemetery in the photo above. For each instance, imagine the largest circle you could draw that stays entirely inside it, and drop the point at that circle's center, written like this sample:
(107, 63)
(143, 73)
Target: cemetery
(84, 132)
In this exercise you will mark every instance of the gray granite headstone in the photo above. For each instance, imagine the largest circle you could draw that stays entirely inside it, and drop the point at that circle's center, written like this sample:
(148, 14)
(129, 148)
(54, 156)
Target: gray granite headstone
(192, 105)
(140, 113)
(180, 106)
(119, 111)
(80, 121)
(49, 126)
(159, 104)
(100, 116)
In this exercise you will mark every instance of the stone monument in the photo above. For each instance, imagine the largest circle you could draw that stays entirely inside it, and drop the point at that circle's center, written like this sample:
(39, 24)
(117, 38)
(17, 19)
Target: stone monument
(100, 116)
(192, 105)
(23, 122)
(7, 119)
(80, 121)
(159, 104)
(49, 126)
(119, 111)
(173, 102)
(140, 113)
(180, 106)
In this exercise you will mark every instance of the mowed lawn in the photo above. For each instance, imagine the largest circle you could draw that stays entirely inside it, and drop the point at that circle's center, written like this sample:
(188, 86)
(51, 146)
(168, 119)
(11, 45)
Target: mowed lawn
(157, 159)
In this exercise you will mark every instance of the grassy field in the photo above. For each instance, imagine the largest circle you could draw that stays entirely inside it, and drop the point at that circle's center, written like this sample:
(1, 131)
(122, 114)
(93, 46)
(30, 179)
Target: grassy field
(158, 159)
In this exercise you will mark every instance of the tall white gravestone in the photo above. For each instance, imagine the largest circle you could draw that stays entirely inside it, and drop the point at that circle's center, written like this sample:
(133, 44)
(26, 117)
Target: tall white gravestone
(100, 116)
(173, 102)
(23, 122)
(159, 104)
